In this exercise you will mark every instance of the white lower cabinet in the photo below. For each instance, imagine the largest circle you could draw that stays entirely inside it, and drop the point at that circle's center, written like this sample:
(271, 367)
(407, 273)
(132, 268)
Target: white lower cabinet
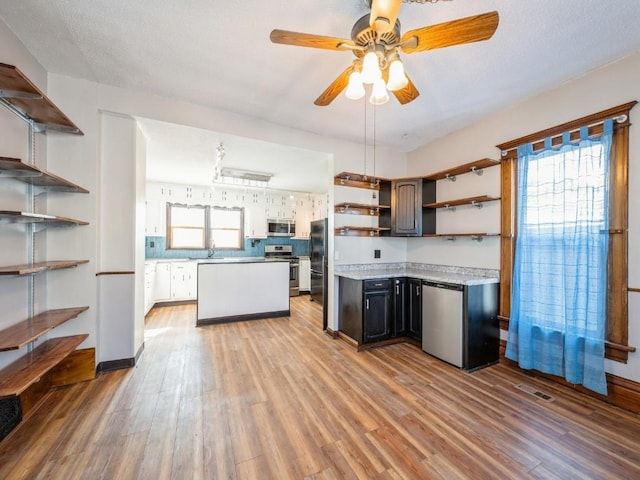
(162, 290)
(149, 285)
(305, 274)
(184, 280)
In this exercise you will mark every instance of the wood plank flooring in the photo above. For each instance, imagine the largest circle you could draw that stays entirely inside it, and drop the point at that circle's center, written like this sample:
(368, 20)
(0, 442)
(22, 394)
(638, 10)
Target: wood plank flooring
(278, 399)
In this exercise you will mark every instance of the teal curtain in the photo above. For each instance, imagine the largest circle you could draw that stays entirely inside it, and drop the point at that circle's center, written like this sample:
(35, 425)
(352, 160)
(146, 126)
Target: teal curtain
(559, 292)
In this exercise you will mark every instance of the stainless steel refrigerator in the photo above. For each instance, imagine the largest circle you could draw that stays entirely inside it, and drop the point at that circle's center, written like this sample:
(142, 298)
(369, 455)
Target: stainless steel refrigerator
(319, 264)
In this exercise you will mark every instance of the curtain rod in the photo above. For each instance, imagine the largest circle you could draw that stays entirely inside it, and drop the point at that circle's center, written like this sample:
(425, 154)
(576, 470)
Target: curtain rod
(620, 114)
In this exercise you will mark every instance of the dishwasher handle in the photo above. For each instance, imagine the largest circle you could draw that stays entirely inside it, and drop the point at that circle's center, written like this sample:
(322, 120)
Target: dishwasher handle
(447, 286)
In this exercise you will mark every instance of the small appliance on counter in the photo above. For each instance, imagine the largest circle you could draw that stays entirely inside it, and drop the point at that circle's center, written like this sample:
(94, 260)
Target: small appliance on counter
(319, 265)
(286, 252)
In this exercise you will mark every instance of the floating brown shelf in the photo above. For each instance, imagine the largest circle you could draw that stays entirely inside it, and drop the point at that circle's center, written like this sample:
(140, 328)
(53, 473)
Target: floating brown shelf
(358, 180)
(10, 216)
(360, 231)
(18, 335)
(40, 267)
(19, 375)
(451, 173)
(452, 236)
(475, 201)
(32, 175)
(360, 208)
(28, 101)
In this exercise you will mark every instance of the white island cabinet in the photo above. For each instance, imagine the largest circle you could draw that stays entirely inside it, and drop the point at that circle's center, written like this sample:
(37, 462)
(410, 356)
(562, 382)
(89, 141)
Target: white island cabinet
(242, 289)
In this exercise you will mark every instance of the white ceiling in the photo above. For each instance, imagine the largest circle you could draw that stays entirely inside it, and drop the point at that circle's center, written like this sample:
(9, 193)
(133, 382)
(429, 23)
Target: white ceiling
(179, 154)
(218, 54)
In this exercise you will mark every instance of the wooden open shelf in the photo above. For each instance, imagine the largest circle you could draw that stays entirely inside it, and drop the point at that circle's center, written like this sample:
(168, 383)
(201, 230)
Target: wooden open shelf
(460, 169)
(40, 267)
(22, 333)
(360, 231)
(461, 201)
(32, 175)
(474, 236)
(19, 375)
(11, 216)
(27, 100)
(358, 180)
(360, 209)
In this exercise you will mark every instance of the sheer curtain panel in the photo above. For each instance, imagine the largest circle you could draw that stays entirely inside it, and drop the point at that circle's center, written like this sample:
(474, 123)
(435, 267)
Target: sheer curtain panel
(560, 267)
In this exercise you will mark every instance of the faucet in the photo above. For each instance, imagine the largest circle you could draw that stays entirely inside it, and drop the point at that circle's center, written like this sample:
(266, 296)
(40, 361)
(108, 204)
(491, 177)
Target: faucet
(210, 250)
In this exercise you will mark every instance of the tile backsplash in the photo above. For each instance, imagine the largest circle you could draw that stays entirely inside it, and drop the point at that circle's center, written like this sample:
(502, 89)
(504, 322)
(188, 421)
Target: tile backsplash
(156, 247)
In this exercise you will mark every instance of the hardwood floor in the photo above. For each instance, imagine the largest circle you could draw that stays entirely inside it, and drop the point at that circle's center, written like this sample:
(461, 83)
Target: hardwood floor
(278, 399)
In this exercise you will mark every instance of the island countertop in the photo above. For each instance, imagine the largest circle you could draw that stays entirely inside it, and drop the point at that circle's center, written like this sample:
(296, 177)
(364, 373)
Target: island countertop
(242, 289)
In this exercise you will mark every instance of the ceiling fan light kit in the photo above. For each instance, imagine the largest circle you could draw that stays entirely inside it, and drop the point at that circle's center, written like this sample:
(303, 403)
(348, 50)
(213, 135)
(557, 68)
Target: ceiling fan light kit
(379, 94)
(376, 41)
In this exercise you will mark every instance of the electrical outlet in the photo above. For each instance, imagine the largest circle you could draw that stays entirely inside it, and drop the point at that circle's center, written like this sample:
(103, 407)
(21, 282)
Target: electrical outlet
(376, 253)
(152, 244)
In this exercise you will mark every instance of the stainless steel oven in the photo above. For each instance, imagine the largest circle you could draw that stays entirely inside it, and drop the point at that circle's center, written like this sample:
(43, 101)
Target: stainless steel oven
(280, 252)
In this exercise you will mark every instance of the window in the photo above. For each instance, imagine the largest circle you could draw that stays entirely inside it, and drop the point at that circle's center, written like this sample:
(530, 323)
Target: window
(199, 227)
(226, 227)
(616, 329)
(186, 226)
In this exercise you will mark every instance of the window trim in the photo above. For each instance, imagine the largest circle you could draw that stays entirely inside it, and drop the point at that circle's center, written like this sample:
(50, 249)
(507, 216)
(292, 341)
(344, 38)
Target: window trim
(617, 328)
(170, 227)
(206, 229)
(210, 227)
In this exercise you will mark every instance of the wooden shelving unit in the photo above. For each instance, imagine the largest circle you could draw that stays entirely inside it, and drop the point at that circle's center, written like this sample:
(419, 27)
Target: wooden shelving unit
(359, 209)
(39, 267)
(10, 216)
(360, 231)
(32, 175)
(473, 201)
(452, 236)
(476, 167)
(19, 375)
(358, 180)
(21, 96)
(22, 333)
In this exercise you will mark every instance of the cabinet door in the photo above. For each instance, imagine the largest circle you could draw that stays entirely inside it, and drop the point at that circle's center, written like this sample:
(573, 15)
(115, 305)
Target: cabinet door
(162, 287)
(406, 208)
(192, 280)
(305, 275)
(414, 307)
(179, 283)
(400, 317)
(377, 316)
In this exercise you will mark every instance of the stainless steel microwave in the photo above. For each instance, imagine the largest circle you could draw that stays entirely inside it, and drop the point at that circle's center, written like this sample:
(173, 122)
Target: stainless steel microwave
(278, 227)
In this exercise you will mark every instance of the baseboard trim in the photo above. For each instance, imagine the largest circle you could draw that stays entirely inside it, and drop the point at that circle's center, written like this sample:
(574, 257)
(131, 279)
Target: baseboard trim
(622, 392)
(332, 333)
(241, 318)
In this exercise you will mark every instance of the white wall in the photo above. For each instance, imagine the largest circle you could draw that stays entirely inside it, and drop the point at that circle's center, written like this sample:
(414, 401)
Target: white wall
(82, 100)
(610, 86)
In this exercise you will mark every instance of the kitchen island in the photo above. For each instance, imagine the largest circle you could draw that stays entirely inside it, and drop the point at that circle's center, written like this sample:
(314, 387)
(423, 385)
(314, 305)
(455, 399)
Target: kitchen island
(234, 289)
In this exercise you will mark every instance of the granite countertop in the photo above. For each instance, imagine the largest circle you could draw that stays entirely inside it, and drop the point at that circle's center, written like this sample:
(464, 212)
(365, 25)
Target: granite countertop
(437, 273)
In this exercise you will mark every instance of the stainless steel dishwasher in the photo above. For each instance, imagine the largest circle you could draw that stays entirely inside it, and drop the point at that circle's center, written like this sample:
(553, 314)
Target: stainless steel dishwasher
(442, 321)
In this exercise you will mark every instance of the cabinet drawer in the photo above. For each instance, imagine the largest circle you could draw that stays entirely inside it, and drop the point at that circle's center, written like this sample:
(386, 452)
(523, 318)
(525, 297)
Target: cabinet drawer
(370, 285)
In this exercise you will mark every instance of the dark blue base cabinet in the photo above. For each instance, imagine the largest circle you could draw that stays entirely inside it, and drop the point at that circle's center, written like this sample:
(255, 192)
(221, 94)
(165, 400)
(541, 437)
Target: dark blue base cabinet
(378, 310)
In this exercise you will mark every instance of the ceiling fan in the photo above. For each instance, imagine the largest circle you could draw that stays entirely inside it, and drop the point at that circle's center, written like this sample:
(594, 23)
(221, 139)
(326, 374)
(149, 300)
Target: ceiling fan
(376, 42)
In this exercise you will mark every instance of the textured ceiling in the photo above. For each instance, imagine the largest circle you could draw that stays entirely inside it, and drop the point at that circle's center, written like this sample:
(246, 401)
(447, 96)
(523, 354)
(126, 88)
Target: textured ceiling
(218, 54)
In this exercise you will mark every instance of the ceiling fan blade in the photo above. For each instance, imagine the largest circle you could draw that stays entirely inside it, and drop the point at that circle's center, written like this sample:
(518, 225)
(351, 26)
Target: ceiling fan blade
(464, 30)
(384, 14)
(407, 94)
(333, 90)
(286, 37)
